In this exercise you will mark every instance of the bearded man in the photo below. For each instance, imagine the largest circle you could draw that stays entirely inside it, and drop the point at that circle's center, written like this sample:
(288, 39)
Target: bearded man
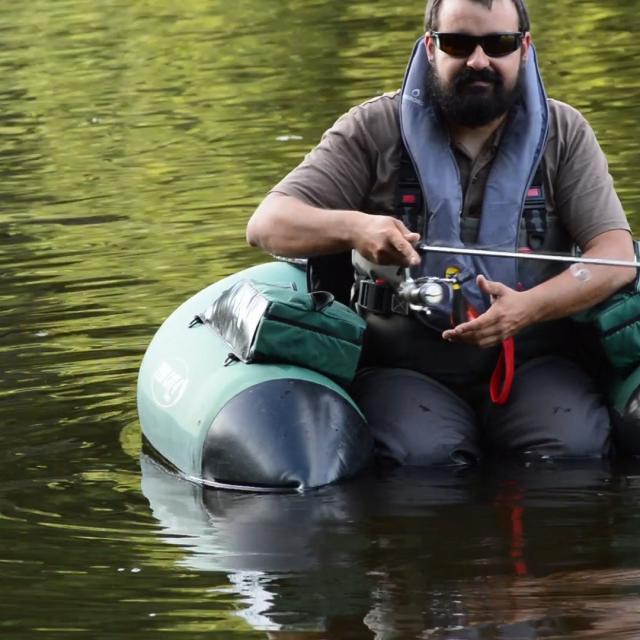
(470, 153)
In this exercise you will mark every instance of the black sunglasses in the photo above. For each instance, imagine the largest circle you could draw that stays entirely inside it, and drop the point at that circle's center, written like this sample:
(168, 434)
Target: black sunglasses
(462, 45)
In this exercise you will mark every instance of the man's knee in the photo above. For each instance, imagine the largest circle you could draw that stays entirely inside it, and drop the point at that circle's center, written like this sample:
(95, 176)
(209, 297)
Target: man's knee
(415, 420)
(554, 410)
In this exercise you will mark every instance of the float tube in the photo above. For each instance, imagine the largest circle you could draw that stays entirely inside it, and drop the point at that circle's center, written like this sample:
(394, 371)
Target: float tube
(271, 427)
(256, 427)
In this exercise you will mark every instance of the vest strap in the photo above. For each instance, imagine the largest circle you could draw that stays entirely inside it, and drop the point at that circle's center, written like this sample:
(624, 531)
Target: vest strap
(409, 201)
(378, 297)
(534, 212)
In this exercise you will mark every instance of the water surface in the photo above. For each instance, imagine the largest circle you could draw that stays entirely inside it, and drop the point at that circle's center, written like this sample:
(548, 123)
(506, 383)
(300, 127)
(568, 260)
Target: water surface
(136, 139)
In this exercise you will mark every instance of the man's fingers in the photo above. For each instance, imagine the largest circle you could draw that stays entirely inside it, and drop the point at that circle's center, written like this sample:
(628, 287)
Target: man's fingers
(491, 288)
(404, 230)
(388, 241)
(405, 247)
(483, 337)
(473, 326)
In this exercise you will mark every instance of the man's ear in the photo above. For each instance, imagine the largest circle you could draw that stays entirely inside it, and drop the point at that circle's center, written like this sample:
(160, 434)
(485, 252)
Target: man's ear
(526, 45)
(430, 46)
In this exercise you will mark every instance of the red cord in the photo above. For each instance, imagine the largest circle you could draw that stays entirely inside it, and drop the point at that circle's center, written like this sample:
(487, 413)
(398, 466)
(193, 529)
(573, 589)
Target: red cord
(502, 378)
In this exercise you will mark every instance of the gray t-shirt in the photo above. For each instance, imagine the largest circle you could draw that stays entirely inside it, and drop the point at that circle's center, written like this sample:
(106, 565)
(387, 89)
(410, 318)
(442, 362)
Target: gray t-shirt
(355, 167)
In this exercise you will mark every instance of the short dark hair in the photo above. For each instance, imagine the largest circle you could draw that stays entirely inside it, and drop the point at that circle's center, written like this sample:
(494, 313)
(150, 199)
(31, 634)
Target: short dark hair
(433, 7)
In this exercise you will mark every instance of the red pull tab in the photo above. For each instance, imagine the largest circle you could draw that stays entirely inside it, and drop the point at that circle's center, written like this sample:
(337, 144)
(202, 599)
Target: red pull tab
(502, 377)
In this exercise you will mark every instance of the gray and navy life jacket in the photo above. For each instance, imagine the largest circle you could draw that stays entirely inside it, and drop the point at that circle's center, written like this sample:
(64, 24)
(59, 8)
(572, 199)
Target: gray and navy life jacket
(514, 187)
(515, 215)
(530, 224)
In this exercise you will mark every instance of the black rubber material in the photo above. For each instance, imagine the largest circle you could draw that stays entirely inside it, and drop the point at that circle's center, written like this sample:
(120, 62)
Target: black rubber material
(627, 427)
(285, 435)
(555, 410)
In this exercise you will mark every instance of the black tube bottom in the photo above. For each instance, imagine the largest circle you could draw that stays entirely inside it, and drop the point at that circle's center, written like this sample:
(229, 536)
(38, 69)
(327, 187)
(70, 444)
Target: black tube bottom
(626, 427)
(285, 435)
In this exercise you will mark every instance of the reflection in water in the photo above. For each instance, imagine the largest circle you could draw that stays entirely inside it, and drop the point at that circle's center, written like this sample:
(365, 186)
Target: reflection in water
(440, 554)
(136, 139)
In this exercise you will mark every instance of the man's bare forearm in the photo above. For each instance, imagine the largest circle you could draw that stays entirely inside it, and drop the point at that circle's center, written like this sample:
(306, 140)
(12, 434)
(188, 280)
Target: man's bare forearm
(583, 286)
(286, 226)
(568, 293)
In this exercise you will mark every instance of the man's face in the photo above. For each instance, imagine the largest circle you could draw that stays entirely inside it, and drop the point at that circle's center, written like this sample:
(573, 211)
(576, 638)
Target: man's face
(476, 90)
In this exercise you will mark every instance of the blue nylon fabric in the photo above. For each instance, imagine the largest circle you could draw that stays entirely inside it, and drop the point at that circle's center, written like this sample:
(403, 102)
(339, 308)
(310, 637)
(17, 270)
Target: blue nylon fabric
(513, 170)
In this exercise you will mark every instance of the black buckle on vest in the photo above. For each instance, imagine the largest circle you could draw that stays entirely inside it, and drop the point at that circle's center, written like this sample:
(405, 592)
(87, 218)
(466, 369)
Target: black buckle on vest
(535, 220)
(380, 298)
(410, 206)
(536, 225)
(409, 203)
(535, 213)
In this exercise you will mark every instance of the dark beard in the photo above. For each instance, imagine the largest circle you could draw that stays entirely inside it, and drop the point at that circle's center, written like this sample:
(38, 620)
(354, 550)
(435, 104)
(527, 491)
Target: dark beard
(467, 106)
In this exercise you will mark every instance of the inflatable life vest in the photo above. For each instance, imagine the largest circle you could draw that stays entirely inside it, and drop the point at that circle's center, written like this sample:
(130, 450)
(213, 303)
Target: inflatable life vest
(510, 182)
(527, 223)
(512, 188)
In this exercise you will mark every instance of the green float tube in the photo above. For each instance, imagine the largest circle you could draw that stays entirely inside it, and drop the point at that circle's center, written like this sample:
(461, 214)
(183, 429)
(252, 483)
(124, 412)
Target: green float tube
(257, 427)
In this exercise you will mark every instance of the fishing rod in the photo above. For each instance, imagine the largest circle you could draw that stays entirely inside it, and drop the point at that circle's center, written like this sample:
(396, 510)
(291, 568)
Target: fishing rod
(423, 293)
(427, 248)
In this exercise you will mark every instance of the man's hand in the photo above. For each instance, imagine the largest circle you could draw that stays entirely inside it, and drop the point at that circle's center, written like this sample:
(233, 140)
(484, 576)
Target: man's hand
(509, 313)
(385, 240)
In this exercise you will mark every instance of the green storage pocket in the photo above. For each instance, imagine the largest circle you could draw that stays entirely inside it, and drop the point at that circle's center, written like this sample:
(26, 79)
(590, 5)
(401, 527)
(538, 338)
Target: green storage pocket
(264, 322)
(616, 323)
(279, 341)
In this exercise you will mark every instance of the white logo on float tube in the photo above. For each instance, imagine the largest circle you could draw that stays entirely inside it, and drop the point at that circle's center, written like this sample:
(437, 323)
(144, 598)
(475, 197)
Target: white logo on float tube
(169, 383)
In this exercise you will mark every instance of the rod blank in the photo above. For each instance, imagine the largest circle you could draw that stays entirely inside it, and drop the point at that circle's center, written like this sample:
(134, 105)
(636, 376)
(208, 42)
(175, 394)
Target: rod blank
(425, 248)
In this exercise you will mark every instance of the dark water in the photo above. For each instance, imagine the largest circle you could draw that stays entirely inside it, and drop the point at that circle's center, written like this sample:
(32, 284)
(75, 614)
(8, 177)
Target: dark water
(135, 141)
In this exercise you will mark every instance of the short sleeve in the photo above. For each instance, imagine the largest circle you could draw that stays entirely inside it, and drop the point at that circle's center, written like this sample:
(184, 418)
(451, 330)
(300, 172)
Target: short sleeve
(352, 157)
(584, 193)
